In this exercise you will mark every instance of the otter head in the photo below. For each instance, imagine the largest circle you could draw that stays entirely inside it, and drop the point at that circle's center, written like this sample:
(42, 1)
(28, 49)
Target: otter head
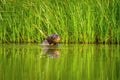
(53, 39)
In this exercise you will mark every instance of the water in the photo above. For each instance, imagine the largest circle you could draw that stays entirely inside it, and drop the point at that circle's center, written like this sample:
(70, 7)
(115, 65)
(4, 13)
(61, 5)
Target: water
(66, 62)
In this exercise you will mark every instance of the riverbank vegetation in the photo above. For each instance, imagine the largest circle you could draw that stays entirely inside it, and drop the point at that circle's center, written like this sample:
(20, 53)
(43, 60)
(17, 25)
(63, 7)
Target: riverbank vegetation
(76, 21)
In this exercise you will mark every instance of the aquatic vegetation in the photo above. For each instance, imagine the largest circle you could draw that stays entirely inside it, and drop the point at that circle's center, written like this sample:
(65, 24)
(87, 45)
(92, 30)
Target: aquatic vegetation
(85, 21)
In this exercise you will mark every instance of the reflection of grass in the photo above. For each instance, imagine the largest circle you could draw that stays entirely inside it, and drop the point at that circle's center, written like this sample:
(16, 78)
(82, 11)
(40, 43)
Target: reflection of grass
(75, 21)
(76, 62)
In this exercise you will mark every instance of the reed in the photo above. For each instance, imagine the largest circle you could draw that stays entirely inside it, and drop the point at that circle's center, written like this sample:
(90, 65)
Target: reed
(86, 21)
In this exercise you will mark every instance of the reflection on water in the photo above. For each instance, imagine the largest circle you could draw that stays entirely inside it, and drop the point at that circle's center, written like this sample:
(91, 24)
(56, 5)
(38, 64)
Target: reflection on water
(51, 51)
(73, 62)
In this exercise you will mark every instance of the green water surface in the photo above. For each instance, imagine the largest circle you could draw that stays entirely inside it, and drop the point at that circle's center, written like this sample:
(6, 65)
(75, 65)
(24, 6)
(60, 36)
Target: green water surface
(65, 62)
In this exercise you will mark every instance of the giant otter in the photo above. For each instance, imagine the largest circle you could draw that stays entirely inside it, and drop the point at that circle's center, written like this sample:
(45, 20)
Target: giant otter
(50, 46)
(52, 40)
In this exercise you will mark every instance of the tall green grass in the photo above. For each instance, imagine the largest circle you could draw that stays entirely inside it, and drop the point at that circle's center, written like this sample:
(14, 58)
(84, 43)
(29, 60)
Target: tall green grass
(85, 21)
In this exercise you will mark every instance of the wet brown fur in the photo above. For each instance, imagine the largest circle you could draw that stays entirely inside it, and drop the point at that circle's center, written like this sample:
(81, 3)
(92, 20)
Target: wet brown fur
(52, 40)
